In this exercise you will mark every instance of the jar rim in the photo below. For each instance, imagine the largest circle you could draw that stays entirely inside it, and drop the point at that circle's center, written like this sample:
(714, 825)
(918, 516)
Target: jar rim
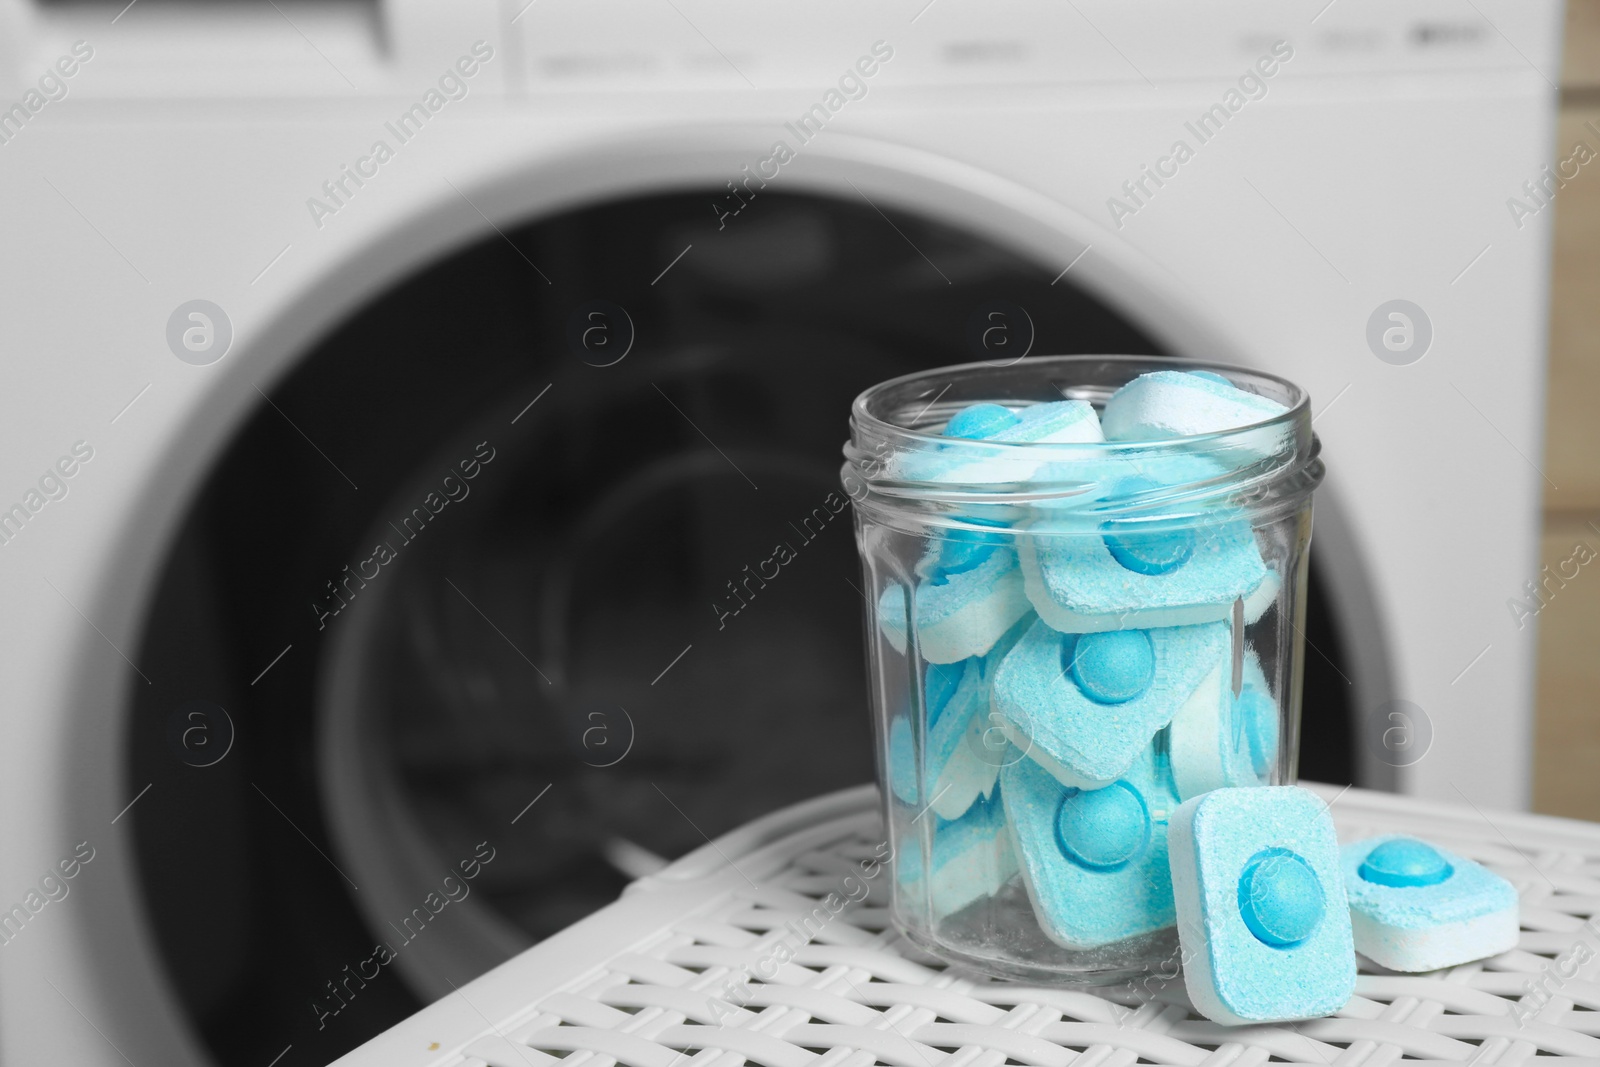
(862, 414)
(1273, 457)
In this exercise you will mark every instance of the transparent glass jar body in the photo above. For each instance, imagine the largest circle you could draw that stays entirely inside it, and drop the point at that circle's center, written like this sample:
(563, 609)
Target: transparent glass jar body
(1048, 684)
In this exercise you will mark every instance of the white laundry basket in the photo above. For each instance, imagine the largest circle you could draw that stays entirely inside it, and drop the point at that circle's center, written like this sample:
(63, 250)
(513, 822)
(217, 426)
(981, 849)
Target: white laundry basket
(655, 980)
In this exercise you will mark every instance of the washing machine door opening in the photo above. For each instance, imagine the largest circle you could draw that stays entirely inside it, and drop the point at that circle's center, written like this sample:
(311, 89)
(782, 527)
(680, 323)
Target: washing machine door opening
(529, 557)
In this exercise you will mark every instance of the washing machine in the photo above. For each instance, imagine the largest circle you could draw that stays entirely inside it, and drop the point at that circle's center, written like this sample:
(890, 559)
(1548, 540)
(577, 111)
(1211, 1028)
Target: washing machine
(397, 395)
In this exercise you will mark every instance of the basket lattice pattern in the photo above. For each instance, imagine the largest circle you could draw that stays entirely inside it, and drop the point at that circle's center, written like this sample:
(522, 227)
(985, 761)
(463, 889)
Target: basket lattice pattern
(854, 994)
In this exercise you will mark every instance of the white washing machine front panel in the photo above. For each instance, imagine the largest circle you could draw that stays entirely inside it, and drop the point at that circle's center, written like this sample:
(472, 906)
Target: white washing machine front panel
(180, 163)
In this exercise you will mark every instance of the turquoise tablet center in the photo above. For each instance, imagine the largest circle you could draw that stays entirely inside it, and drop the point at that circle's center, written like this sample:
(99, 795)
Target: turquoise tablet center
(1111, 668)
(1255, 714)
(966, 550)
(1102, 829)
(1157, 552)
(1405, 862)
(980, 421)
(939, 684)
(1280, 898)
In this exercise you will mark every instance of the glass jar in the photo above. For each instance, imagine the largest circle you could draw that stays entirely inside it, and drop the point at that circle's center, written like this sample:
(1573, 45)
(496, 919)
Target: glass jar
(1069, 636)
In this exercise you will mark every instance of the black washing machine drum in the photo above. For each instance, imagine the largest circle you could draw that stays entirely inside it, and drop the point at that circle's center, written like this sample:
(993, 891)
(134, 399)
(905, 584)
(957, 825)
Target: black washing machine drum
(503, 519)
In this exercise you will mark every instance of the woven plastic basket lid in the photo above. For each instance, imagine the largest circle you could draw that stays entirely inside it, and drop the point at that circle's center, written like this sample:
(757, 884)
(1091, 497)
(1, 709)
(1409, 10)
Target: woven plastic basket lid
(724, 959)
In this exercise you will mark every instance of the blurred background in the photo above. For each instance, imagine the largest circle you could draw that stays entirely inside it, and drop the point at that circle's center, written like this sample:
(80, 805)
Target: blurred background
(1568, 738)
